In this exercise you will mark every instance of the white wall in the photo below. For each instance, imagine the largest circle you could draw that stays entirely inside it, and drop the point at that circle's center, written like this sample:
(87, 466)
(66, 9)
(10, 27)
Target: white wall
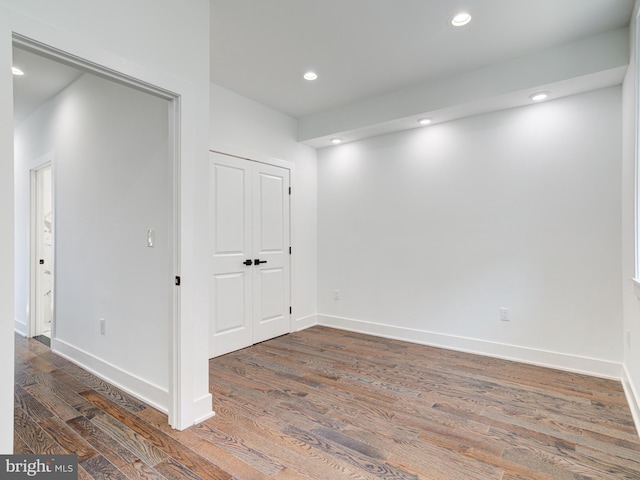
(6, 258)
(631, 292)
(164, 43)
(428, 233)
(244, 127)
(112, 183)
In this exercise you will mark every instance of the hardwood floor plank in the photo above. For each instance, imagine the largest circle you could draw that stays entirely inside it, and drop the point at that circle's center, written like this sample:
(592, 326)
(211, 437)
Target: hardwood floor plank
(19, 447)
(98, 385)
(160, 440)
(130, 439)
(83, 475)
(361, 462)
(140, 470)
(622, 467)
(59, 389)
(323, 404)
(36, 439)
(22, 379)
(172, 470)
(297, 455)
(68, 439)
(112, 450)
(30, 405)
(101, 469)
(235, 466)
(229, 441)
(351, 443)
(160, 421)
(53, 403)
(69, 381)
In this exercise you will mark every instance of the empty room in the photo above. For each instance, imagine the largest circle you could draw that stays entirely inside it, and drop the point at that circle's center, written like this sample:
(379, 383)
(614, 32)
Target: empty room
(321, 239)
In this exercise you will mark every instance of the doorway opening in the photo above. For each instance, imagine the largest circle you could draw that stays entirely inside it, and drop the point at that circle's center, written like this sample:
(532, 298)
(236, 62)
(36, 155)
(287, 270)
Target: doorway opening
(114, 264)
(42, 235)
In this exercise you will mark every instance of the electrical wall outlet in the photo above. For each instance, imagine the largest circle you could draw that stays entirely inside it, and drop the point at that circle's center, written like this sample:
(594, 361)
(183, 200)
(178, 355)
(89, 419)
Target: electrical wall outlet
(102, 326)
(504, 314)
(336, 294)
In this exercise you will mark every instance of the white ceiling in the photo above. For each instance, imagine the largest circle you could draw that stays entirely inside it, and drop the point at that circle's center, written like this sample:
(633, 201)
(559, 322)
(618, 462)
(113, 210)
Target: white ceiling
(381, 62)
(363, 50)
(44, 78)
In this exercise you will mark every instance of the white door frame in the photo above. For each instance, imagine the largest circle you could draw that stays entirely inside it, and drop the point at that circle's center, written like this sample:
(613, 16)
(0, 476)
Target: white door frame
(34, 207)
(175, 407)
(247, 154)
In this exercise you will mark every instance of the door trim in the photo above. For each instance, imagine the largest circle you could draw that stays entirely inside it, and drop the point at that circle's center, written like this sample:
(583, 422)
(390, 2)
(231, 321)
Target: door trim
(40, 163)
(253, 156)
(179, 412)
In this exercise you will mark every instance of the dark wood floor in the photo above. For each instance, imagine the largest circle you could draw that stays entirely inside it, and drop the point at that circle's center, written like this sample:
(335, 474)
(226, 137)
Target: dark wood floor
(325, 404)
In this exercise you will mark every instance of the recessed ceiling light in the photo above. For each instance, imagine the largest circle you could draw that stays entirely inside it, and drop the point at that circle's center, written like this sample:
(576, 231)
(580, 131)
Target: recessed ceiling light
(310, 76)
(336, 141)
(424, 121)
(538, 97)
(16, 71)
(460, 19)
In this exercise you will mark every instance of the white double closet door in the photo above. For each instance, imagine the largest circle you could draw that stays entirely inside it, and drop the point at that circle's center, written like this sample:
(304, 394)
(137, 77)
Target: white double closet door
(250, 283)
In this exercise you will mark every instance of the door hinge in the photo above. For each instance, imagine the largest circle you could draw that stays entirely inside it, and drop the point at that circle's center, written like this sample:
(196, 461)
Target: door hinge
(290, 310)
(177, 280)
(289, 190)
(289, 250)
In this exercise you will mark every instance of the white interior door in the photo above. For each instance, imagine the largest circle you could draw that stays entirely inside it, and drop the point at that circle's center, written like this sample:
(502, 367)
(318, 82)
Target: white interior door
(44, 252)
(231, 292)
(271, 290)
(250, 285)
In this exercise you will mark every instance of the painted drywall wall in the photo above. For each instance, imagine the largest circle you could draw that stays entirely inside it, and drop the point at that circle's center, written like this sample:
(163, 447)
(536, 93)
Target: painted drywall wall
(6, 259)
(242, 126)
(630, 290)
(165, 44)
(112, 183)
(426, 234)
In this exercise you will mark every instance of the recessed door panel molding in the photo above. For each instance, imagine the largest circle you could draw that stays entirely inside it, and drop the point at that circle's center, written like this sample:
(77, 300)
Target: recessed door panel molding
(231, 197)
(272, 192)
(229, 292)
(271, 299)
(250, 225)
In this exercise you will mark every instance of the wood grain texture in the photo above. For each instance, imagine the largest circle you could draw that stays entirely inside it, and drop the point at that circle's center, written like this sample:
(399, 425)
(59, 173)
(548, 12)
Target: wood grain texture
(324, 404)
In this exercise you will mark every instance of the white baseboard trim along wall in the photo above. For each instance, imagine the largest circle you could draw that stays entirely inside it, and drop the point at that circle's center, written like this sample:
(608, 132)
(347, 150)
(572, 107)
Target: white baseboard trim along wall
(304, 322)
(20, 327)
(561, 361)
(202, 409)
(632, 397)
(145, 391)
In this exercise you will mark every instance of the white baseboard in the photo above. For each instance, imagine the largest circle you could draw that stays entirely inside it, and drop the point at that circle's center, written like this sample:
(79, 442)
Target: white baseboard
(202, 408)
(304, 322)
(632, 397)
(140, 388)
(20, 327)
(560, 361)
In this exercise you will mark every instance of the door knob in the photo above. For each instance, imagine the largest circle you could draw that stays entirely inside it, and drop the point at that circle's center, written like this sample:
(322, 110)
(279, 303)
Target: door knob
(248, 262)
(257, 261)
